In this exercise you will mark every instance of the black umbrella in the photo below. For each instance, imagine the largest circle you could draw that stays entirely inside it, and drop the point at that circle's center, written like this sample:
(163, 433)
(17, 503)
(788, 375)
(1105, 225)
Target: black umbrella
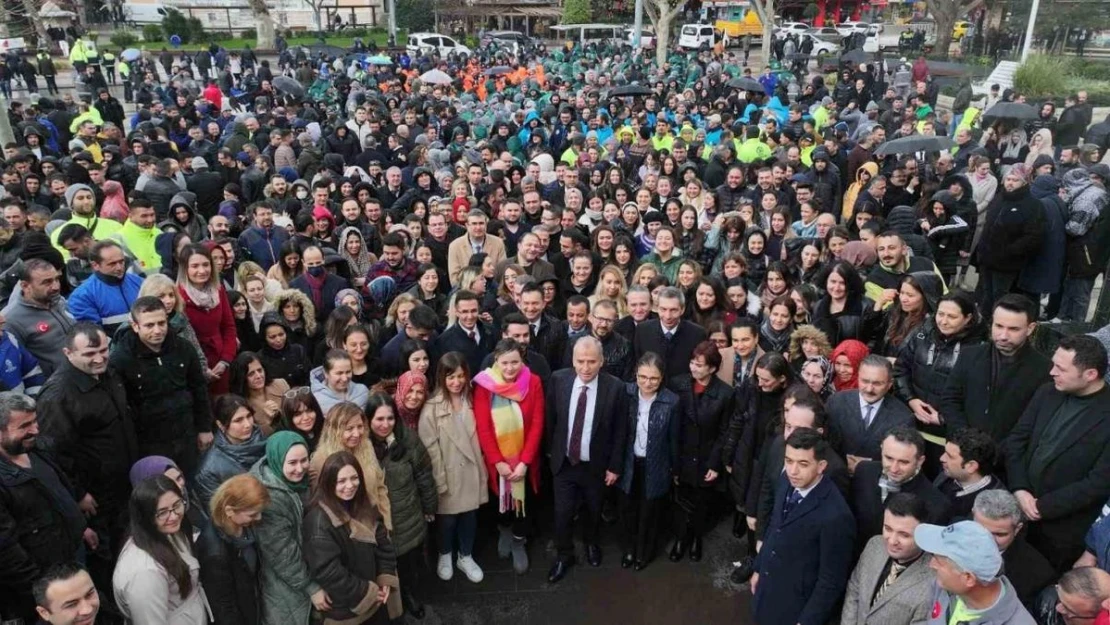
(288, 85)
(857, 56)
(1011, 110)
(745, 83)
(915, 143)
(327, 50)
(498, 71)
(630, 90)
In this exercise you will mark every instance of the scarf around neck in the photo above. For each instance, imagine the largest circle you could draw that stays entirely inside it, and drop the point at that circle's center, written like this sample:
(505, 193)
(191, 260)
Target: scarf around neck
(205, 298)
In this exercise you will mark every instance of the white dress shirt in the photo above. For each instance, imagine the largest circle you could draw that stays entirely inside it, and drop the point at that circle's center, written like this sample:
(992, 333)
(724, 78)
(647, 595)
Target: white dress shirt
(588, 421)
(643, 419)
(874, 410)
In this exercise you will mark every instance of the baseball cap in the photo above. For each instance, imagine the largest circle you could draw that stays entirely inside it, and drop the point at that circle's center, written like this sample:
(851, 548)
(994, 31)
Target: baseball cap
(967, 544)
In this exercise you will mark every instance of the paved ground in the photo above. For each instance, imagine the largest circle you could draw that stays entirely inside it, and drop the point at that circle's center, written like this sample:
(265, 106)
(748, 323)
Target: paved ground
(664, 592)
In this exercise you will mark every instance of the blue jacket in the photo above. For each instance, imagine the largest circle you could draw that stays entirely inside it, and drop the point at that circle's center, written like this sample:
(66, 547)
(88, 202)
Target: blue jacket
(264, 247)
(806, 558)
(19, 369)
(662, 443)
(107, 304)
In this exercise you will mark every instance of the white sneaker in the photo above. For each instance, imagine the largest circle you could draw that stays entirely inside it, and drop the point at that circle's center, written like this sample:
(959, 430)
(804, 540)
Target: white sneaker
(468, 566)
(443, 568)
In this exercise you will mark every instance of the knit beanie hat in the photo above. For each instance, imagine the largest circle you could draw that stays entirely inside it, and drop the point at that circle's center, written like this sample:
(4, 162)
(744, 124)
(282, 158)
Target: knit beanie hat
(72, 191)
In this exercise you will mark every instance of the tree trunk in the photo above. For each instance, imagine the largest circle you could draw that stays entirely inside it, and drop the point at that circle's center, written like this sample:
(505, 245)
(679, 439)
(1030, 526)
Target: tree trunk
(944, 14)
(264, 24)
(31, 8)
(765, 11)
(662, 37)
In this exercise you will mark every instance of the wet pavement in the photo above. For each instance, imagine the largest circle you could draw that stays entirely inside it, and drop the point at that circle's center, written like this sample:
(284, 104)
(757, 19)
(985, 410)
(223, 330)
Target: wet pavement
(664, 592)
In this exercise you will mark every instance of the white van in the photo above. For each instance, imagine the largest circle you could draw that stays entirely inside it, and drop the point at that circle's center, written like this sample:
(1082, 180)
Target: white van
(421, 42)
(696, 36)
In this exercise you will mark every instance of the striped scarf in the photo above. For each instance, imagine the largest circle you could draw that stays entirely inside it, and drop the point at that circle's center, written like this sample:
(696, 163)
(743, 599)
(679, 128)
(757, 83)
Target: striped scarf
(508, 426)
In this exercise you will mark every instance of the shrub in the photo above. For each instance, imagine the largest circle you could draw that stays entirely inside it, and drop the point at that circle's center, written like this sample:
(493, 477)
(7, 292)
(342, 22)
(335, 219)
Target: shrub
(250, 33)
(123, 39)
(360, 33)
(152, 32)
(175, 23)
(1042, 75)
(576, 11)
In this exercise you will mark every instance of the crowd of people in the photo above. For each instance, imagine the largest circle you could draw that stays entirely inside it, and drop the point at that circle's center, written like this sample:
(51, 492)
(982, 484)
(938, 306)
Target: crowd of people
(270, 357)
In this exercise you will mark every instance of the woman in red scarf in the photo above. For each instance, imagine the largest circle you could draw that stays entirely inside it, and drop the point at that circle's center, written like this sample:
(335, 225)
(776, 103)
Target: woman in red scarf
(845, 360)
(411, 393)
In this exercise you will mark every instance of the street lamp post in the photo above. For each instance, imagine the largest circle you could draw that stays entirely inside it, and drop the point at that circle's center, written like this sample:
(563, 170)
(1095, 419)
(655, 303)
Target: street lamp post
(1029, 30)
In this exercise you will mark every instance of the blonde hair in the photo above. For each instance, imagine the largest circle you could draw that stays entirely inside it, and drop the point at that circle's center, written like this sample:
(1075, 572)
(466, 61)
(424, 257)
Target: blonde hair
(249, 268)
(403, 298)
(331, 441)
(811, 333)
(621, 300)
(642, 270)
(468, 276)
(156, 284)
(242, 492)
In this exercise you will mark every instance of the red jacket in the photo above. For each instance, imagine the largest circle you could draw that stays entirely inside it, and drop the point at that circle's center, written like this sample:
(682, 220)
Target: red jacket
(533, 410)
(213, 94)
(216, 333)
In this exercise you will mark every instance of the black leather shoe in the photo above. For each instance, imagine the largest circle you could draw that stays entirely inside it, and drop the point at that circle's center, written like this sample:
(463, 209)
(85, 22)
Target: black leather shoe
(739, 524)
(678, 550)
(559, 570)
(744, 572)
(695, 550)
(413, 607)
(627, 560)
(640, 565)
(593, 555)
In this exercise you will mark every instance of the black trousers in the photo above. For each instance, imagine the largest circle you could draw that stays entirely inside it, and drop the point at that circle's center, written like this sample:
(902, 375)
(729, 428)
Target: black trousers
(576, 485)
(691, 511)
(640, 515)
(408, 570)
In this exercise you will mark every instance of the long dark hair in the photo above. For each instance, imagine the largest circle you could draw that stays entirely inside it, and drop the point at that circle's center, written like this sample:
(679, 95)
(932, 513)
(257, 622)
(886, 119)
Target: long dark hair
(146, 535)
(237, 379)
(360, 507)
(448, 364)
(294, 401)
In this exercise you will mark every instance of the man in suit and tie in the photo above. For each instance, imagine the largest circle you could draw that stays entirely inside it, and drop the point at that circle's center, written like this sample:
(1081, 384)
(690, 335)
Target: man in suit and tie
(803, 567)
(549, 335)
(586, 431)
(861, 418)
(468, 336)
(516, 327)
(639, 311)
(1058, 454)
(899, 471)
(892, 582)
(672, 337)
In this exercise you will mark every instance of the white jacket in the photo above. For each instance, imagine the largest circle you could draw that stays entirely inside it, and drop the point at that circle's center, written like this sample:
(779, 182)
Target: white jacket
(147, 595)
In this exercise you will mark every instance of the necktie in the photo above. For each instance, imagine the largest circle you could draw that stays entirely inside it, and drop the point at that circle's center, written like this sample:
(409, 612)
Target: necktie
(791, 501)
(471, 334)
(535, 329)
(895, 570)
(575, 451)
(868, 410)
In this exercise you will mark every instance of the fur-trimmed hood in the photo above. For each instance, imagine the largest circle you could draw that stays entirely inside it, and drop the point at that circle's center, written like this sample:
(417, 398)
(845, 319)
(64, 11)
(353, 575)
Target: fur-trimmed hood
(308, 311)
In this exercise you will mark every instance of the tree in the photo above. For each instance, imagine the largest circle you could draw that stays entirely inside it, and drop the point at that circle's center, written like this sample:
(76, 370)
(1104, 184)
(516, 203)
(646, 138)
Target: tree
(765, 10)
(415, 15)
(317, 7)
(945, 13)
(576, 11)
(662, 14)
(26, 13)
(264, 23)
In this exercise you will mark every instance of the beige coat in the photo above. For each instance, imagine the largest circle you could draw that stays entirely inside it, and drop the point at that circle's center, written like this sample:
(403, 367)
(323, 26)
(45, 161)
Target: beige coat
(457, 463)
(459, 253)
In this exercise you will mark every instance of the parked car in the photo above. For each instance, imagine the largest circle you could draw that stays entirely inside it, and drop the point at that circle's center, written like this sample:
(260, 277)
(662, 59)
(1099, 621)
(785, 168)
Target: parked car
(790, 28)
(647, 35)
(515, 40)
(850, 27)
(961, 29)
(696, 36)
(826, 33)
(422, 42)
(822, 47)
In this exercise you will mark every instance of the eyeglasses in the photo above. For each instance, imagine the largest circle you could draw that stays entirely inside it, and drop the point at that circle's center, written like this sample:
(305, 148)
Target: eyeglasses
(294, 393)
(604, 321)
(178, 509)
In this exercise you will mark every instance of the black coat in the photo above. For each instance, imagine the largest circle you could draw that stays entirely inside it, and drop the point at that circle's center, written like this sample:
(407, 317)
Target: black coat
(867, 503)
(1012, 231)
(973, 397)
(166, 390)
(926, 360)
(333, 284)
(208, 186)
(1074, 483)
(607, 438)
(234, 591)
(661, 454)
(676, 355)
(758, 414)
(616, 353)
(88, 423)
(704, 421)
(846, 423)
(847, 324)
(454, 339)
(551, 340)
(626, 326)
(806, 558)
(290, 364)
(761, 501)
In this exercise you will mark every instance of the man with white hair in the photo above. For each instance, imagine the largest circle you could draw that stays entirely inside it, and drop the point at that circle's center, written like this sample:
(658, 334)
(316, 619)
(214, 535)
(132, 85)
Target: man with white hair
(1028, 570)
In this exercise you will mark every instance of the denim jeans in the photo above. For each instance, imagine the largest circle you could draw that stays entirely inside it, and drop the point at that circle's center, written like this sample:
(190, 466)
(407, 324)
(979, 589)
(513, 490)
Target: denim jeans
(1077, 299)
(457, 527)
(6, 89)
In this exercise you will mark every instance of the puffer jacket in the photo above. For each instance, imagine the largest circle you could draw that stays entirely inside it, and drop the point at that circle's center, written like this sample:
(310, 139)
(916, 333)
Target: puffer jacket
(1085, 203)
(1012, 232)
(225, 460)
(411, 484)
(287, 587)
(160, 191)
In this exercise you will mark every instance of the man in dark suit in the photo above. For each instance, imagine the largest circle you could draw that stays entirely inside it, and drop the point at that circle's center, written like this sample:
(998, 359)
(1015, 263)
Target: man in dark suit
(530, 257)
(1058, 454)
(469, 336)
(516, 327)
(672, 338)
(803, 567)
(992, 384)
(899, 471)
(1026, 568)
(616, 349)
(586, 432)
(861, 418)
(892, 582)
(639, 311)
(549, 335)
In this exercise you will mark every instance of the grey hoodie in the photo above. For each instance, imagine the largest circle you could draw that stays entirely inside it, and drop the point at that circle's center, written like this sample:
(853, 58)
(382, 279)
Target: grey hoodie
(1006, 611)
(357, 393)
(42, 331)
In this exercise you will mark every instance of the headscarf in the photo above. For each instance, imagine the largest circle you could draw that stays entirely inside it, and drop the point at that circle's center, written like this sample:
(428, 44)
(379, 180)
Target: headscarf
(855, 351)
(828, 388)
(405, 383)
(859, 254)
(149, 467)
(277, 448)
